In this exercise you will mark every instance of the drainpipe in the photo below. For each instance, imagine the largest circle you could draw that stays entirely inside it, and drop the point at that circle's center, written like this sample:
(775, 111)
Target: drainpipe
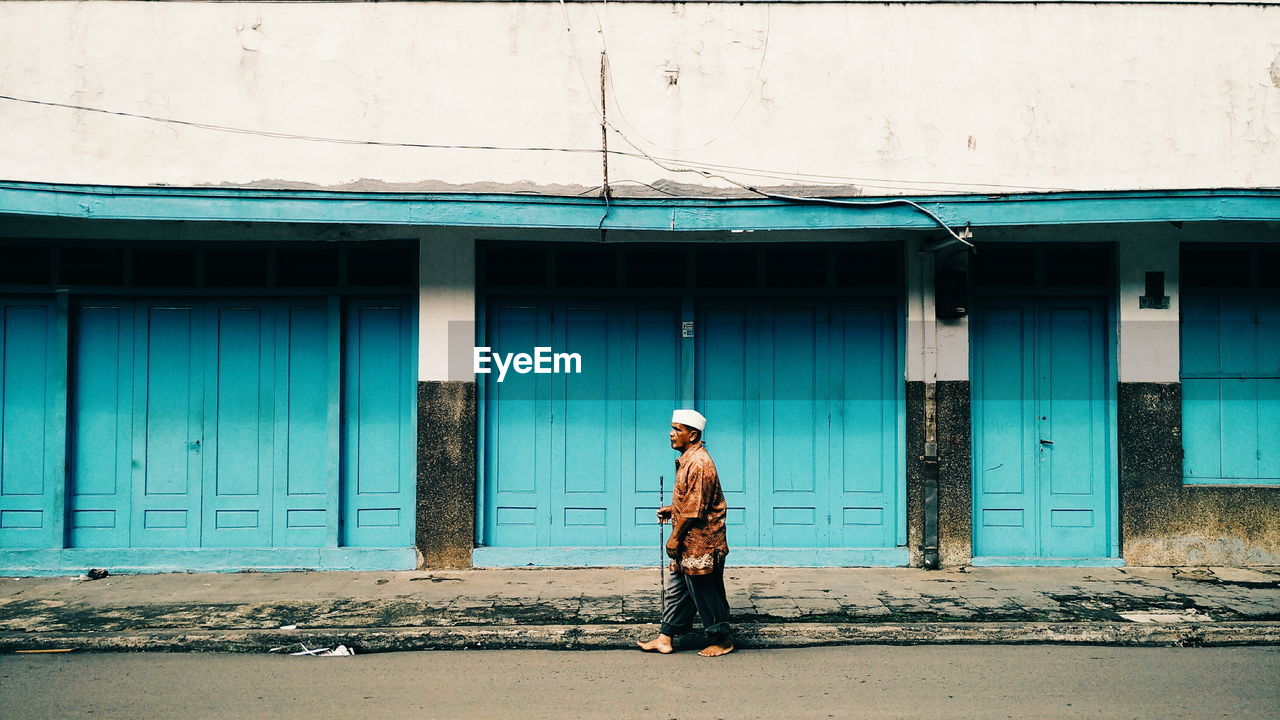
(929, 358)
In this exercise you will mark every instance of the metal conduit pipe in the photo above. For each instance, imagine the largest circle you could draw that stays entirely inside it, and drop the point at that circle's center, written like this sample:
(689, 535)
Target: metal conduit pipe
(929, 358)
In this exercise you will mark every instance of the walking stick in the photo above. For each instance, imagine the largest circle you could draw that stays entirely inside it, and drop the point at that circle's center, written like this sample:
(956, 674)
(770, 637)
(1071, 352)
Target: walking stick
(662, 546)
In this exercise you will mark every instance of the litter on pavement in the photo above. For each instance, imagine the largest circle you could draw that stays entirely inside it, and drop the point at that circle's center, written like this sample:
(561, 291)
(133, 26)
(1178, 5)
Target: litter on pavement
(340, 651)
(1166, 616)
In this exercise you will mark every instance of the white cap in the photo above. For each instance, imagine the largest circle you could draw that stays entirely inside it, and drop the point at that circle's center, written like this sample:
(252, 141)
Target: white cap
(692, 418)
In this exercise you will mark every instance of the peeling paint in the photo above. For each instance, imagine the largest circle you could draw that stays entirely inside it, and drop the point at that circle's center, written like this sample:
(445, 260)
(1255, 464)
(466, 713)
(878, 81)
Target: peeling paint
(249, 32)
(621, 188)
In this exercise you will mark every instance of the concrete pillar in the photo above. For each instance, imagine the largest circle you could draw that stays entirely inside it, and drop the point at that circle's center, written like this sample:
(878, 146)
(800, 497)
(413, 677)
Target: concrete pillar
(1149, 400)
(915, 373)
(937, 365)
(447, 409)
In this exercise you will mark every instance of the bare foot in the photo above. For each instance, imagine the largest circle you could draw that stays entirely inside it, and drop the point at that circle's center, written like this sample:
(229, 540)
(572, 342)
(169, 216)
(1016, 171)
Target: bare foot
(660, 644)
(715, 650)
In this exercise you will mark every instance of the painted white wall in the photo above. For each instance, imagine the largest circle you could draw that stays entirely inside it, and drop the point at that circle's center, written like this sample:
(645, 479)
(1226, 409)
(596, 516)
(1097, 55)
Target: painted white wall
(937, 350)
(919, 345)
(446, 305)
(1150, 347)
(953, 349)
(871, 98)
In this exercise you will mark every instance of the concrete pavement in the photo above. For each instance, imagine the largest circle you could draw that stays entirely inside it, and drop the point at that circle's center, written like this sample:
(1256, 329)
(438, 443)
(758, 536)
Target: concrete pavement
(610, 608)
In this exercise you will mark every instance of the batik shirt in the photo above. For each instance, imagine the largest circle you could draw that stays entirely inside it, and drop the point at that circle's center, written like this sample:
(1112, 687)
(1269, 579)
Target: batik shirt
(697, 497)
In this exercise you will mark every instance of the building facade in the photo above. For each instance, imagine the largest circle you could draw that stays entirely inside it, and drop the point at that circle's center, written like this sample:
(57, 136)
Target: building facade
(1000, 296)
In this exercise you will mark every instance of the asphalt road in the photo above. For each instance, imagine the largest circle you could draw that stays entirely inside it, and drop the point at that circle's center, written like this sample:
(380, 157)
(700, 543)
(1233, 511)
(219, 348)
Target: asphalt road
(839, 682)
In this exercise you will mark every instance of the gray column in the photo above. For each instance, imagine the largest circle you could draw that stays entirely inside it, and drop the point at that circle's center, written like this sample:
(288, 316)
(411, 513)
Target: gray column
(447, 400)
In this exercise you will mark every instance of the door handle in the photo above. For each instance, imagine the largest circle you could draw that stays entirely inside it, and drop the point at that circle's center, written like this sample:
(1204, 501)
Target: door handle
(1045, 442)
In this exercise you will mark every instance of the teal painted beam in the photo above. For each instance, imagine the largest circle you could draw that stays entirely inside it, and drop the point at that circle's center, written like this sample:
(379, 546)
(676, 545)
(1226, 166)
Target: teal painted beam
(649, 557)
(39, 563)
(644, 214)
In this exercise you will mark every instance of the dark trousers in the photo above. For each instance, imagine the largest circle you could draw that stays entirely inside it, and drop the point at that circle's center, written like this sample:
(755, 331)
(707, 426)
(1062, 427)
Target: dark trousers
(704, 593)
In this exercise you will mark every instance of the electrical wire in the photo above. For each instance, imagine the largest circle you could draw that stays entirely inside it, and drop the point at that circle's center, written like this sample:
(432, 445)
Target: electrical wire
(568, 26)
(573, 48)
(780, 174)
(607, 208)
(293, 136)
(641, 153)
(617, 102)
(772, 176)
(774, 196)
(595, 188)
(754, 172)
(876, 203)
(817, 201)
(922, 186)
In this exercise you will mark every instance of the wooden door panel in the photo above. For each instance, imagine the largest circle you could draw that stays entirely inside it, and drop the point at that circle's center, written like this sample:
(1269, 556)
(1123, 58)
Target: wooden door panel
(169, 425)
(101, 425)
(378, 481)
(32, 352)
(1004, 443)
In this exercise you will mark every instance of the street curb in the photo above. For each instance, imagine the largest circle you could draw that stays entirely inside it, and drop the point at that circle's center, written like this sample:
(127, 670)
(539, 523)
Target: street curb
(610, 637)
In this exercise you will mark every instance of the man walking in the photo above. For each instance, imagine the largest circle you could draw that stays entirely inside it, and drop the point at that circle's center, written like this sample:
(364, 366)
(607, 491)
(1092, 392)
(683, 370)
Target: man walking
(697, 546)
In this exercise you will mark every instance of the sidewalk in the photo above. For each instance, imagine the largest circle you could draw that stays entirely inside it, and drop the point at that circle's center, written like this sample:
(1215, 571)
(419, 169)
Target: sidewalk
(611, 608)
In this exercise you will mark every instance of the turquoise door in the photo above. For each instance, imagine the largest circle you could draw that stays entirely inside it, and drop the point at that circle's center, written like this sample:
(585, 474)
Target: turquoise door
(378, 479)
(517, 432)
(172, 362)
(574, 459)
(1044, 478)
(216, 423)
(867, 426)
(803, 400)
(101, 432)
(32, 382)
